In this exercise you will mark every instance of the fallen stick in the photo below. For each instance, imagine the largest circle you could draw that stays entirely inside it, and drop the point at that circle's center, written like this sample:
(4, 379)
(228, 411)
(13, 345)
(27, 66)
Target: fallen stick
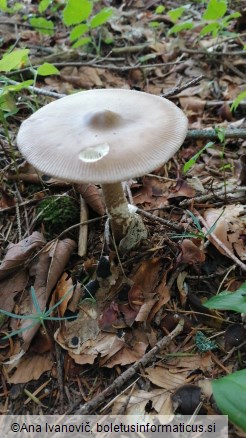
(151, 356)
(210, 134)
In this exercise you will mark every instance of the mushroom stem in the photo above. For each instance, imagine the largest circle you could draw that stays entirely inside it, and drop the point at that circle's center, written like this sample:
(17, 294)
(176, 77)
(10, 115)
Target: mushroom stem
(117, 208)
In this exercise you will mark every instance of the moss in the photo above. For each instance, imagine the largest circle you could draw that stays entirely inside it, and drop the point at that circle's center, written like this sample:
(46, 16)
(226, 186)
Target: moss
(57, 213)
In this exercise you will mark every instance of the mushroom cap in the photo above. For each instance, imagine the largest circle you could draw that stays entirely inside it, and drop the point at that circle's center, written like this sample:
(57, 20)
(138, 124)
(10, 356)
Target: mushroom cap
(102, 135)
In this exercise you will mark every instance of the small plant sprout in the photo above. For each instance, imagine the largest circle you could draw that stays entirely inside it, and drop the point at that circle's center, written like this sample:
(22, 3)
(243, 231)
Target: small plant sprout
(38, 318)
(105, 136)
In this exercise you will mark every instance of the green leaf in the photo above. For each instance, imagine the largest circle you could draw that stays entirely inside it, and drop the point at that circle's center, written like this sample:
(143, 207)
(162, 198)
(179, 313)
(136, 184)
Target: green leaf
(3, 5)
(230, 18)
(101, 17)
(181, 26)
(230, 396)
(229, 300)
(43, 5)
(237, 101)
(76, 11)
(160, 9)
(220, 133)
(193, 159)
(154, 24)
(215, 9)
(78, 31)
(44, 26)
(210, 28)
(7, 102)
(47, 69)
(20, 86)
(14, 60)
(81, 42)
(176, 13)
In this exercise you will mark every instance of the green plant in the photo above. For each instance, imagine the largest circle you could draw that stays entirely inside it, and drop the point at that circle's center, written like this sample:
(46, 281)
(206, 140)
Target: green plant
(78, 16)
(238, 100)
(199, 234)
(226, 300)
(215, 19)
(12, 61)
(218, 21)
(230, 396)
(187, 166)
(10, 10)
(39, 318)
(230, 391)
(57, 213)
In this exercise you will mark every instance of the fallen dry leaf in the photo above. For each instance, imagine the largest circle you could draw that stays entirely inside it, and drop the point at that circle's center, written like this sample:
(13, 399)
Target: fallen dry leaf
(64, 292)
(10, 287)
(182, 188)
(93, 197)
(230, 228)
(192, 251)
(31, 367)
(164, 378)
(138, 401)
(18, 254)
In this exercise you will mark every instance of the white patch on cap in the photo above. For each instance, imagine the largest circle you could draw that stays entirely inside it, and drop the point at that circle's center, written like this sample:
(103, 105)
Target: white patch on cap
(94, 153)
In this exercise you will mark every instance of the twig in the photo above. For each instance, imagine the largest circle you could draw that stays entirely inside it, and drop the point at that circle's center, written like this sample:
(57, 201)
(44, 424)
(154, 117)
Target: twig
(179, 88)
(161, 220)
(221, 244)
(213, 194)
(214, 53)
(36, 90)
(151, 356)
(211, 134)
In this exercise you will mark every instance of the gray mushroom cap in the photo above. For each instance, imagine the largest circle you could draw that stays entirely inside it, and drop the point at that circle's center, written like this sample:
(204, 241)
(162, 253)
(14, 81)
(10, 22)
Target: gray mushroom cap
(102, 136)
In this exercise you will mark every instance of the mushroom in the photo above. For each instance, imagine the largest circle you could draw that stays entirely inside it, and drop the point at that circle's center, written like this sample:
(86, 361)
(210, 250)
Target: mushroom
(104, 136)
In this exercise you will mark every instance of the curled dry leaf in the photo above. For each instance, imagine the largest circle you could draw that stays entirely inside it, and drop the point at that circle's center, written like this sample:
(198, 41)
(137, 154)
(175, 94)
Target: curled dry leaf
(92, 196)
(230, 228)
(110, 319)
(64, 288)
(182, 188)
(18, 254)
(47, 269)
(192, 251)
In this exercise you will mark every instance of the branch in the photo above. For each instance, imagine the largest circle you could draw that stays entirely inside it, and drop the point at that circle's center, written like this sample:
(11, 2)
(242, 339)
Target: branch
(179, 88)
(211, 134)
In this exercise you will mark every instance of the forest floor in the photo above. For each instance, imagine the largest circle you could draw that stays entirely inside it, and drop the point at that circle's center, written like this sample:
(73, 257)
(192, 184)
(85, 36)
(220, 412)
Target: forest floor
(142, 339)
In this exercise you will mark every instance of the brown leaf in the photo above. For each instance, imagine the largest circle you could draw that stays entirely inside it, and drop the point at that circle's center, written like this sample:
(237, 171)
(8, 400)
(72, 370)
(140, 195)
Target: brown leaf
(182, 188)
(64, 287)
(164, 379)
(230, 228)
(6, 200)
(135, 297)
(110, 319)
(192, 251)
(147, 275)
(10, 287)
(92, 196)
(31, 367)
(18, 254)
(136, 403)
(60, 253)
(47, 269)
